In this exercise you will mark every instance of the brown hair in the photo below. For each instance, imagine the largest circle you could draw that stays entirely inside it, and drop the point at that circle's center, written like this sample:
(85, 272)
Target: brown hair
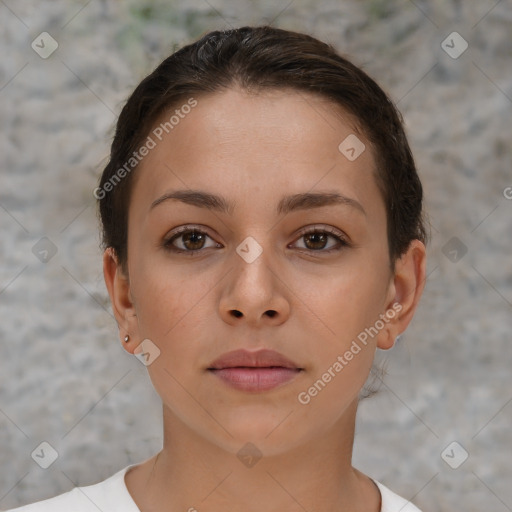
(256, 58)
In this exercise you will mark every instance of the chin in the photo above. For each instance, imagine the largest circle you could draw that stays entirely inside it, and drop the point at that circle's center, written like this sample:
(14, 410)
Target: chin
(258, 436)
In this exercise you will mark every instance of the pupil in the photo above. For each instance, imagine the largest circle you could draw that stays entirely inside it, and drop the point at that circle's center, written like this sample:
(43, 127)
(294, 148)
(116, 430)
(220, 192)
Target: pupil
(318, 235)
(191, 235)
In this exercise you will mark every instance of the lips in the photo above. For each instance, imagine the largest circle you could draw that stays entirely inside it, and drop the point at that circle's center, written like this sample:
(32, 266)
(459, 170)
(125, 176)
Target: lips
(254, 371)
(261, 359)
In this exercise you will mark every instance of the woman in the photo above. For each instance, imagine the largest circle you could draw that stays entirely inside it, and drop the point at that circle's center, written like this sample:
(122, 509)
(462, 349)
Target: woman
(263, 236)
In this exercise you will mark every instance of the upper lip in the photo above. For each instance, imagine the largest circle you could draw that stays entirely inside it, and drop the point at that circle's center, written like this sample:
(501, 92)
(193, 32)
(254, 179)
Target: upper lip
(262, 358)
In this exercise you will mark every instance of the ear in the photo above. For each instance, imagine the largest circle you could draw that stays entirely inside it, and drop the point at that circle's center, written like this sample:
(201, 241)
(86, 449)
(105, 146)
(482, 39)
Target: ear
(118, 286)
(405, 290)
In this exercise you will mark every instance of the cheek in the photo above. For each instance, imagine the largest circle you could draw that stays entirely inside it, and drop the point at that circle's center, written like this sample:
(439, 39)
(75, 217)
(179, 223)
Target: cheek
(168, 303)
(342, 356)
(345, 309)
(347, 303)
(173, 313)
(173, 302)
(162, 290)
(326, 398)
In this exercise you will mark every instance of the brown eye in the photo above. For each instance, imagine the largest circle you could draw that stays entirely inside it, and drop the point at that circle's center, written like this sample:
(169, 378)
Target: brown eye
(193, 240)
(317, 240)
(188, 240)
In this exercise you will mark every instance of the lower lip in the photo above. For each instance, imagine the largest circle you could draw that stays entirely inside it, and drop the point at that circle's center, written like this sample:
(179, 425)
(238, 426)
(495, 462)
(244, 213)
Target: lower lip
(255, 379)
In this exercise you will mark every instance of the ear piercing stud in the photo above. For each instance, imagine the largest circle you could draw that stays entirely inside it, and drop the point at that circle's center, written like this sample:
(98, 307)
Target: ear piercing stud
(126, 338)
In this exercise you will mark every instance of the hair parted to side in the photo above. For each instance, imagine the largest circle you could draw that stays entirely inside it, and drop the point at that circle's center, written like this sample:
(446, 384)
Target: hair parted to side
(255, 59)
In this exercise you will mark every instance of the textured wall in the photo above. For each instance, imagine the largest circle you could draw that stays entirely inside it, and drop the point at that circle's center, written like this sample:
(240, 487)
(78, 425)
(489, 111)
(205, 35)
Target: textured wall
(64, 378)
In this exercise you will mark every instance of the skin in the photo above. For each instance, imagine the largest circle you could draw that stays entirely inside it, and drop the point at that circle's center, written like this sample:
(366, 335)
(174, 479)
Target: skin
(253, 149)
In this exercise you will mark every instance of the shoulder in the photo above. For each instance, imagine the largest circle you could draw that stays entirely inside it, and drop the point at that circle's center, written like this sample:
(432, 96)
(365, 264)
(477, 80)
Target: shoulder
(110, 495)
(391, 502)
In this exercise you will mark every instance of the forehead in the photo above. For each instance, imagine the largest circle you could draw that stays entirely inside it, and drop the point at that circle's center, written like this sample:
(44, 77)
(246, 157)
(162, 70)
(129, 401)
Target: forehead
(250, 146)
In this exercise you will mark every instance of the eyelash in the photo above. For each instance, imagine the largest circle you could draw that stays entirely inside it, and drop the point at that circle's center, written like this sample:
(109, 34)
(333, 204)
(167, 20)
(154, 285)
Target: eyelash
(331, 232)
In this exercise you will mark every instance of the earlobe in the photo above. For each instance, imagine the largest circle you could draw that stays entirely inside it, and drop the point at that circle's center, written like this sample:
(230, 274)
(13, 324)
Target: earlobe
(118, 287)
(407, 286)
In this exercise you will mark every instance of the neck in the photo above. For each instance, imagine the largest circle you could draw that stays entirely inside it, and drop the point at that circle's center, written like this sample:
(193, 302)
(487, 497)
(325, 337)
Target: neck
(193, 473)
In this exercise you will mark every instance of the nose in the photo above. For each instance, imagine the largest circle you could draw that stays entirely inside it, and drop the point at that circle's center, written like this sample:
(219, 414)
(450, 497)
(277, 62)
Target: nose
(238, 314)
(254, 292)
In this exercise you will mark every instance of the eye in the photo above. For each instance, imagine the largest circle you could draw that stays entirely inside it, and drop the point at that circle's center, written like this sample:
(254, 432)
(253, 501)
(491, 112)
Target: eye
(190, 240)
(316, 239)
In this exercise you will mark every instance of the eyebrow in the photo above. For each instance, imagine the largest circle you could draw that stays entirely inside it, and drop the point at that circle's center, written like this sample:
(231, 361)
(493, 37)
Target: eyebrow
(294, 202)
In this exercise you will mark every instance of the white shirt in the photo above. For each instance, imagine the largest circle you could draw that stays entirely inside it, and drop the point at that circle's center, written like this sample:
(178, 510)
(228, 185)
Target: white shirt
(112, 495)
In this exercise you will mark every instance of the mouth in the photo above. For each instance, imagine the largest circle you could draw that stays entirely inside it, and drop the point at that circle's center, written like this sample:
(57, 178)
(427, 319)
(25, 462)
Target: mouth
(254, 371)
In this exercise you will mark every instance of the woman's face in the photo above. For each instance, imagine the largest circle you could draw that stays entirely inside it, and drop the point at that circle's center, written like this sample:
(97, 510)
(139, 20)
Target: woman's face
(253, 277)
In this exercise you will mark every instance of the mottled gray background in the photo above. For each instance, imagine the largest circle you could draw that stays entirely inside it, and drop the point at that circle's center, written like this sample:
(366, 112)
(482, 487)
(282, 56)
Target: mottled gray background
(65, 378)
